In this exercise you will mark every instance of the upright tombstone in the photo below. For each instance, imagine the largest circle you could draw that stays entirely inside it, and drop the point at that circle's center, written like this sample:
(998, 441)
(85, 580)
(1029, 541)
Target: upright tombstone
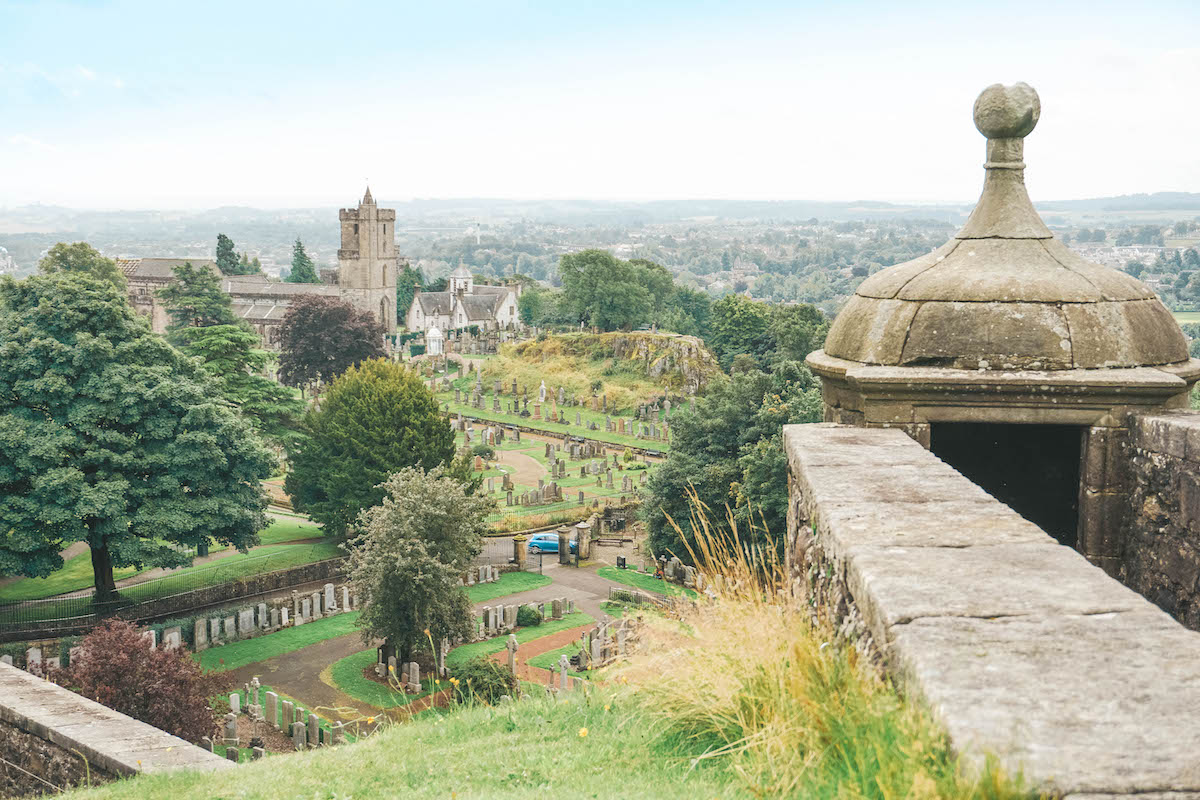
(264, 618)
(233, 754)
(272, 709)
(314, 729)
(288, 715)
(231, 734)
(235, 702)
(345, 598)
(316, 605)
(246, 622)
(200, 635)
(511, 646)
(564, 666)
(330, 602)
(172, 638)
(298, 735)
(214, 629)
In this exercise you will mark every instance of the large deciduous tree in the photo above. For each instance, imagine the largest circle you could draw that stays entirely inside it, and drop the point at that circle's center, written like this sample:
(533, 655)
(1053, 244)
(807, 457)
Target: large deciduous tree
(609, 293)
(194, 299)
(303, 269)
(231, 355)
(81, 258)
(374, 420)
(322, 337)
(110, 436)
(407, 557)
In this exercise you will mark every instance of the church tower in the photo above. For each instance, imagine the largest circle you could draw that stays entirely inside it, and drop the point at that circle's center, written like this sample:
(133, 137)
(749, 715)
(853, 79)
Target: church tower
(367, 259)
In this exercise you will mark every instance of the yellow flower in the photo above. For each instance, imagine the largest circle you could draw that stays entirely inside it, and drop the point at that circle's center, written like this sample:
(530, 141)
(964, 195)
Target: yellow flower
(427, 631)
(607, 706)
(391, 668)
(583, 733)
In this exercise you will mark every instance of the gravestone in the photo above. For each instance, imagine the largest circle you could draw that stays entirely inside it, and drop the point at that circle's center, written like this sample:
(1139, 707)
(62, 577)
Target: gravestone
(232, 753)
(214, 629)
(173, 638)
(230, 628)
(274, 620)
(272, 709)
(314, 730)
(151, 637)
(305, 610)
(283, 616)
(298, 731)
(235, 702)
(557, 607)
(206, 743)
(200, 634)
(245, 622)
(564, 665)
(231, 736)
(511, 646)
(330, 602)
(346, 598)
(316, 605)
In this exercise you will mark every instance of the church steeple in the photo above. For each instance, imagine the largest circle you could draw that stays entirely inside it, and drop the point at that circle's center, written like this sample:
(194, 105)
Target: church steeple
(367, 199)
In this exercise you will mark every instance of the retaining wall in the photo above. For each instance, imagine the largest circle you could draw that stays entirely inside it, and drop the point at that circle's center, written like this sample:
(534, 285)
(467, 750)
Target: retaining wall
(56, 736)
(1018, 645)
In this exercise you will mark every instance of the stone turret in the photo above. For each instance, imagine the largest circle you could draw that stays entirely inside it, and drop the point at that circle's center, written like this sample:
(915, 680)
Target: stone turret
(367, 263)
(1010, 356)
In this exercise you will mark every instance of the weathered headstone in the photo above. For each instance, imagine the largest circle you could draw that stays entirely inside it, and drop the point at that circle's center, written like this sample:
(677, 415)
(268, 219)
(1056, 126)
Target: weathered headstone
(274, 618)
(314, 729)
(230, 624)
(235, 702)
(511, 646)
(232, 753)
(564, 665)
(272, 709)
(245, 622)
(231, 734)
(200, 634)
(330, 602)
(316, 605)
(298, 735)
(207, 743)
(172, 638)
(151, 637)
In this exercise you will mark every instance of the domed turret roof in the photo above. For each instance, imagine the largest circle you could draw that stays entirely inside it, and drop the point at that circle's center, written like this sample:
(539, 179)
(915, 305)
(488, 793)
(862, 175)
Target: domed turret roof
(1004, 294)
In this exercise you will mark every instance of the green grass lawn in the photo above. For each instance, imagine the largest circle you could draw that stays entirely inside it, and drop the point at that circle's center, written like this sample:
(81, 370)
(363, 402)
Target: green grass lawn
(348, 676)
(76, 573)
(508, 583)
(1186, 316)
(261, 648)
(550, 660)
(464, 653)
(251, 651)
(640, 580)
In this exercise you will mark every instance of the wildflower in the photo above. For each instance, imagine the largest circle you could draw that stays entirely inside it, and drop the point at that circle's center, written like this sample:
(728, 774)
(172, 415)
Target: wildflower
(370, 720)
(427, 632)
(607, 706)
(391, 668)
(583, 733)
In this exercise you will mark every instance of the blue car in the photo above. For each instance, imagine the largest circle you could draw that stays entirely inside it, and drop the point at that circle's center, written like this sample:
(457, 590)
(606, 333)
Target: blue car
(546, 543)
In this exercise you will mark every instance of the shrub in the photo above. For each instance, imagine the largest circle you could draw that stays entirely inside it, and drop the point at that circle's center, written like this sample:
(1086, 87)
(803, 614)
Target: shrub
(484, 451)
(528, 616)
(482, 679)
(164, 688)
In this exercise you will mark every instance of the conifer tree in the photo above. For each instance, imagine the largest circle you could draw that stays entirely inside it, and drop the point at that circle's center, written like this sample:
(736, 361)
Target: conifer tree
(195, 300)
(227, 260)
(303, 270)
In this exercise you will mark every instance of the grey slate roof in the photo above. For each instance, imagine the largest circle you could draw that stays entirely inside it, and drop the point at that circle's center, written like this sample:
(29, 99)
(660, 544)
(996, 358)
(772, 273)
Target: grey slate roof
(160, 267)
(435, 303)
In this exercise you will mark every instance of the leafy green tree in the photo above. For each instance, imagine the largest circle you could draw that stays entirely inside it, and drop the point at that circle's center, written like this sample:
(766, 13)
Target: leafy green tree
(303, 270)
(376, 419)
(110, 436)
(231, 355)
(609, 293)
(322, 337)
(797, 330)
(406, 283)
(730, 452)
(227, 259)
(195, 299)
(407, 557)
(687, 311)
(530, 306)
(740, 325)
(81, 258)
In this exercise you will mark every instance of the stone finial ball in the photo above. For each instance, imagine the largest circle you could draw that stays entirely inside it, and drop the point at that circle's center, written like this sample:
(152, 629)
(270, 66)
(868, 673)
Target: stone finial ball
(1007, 112)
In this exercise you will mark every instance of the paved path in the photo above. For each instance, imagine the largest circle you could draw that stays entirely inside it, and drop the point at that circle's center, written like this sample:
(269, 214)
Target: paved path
(536, 648)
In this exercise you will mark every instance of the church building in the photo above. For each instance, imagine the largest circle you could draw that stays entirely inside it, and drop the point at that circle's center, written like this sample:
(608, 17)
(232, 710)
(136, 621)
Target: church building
(365, 276)
(463, 304)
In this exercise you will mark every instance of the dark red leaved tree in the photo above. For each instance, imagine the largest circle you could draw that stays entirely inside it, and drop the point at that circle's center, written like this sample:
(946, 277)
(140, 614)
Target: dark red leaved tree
(164, 688)
(322, 337)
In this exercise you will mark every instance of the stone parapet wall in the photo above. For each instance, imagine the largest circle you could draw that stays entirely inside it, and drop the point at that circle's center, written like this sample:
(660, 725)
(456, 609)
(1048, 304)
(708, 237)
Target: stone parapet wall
(52, 735)
(1161, 554)
(1018, 645)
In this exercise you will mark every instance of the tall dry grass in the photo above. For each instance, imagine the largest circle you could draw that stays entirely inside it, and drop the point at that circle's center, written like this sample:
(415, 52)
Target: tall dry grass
(746, 677)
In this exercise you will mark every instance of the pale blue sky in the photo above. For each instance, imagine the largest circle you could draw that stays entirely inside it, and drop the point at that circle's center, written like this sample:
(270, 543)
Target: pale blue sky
(192, 105)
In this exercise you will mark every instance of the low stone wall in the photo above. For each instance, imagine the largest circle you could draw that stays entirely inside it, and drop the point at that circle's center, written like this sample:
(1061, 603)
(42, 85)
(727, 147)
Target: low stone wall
(54, 736)
(1161, 551)
(1018, 645)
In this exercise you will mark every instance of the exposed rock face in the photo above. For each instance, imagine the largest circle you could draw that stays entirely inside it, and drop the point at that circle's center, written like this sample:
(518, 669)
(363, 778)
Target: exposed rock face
(680, 362)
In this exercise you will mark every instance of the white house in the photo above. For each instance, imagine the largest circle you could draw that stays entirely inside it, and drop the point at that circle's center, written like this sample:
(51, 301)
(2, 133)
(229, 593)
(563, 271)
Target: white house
(464, 304)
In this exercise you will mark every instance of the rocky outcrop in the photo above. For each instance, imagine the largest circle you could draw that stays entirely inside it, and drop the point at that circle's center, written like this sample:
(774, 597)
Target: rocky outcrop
(681, 363)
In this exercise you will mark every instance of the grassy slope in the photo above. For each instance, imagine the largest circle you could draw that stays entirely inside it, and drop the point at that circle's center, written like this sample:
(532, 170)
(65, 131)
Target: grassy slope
(640, 580)
(76, 573)
(532, 749)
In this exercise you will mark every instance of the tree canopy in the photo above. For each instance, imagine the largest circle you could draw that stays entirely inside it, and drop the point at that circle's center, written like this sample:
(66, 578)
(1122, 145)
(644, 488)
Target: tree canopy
(231, 355)
(303, 269)
(227, 259)
(322, 337)
(194, 299)
(606, 292)
(81, 258)
(374, 420)
(408, 555)
(110, 436)
(730, 451)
